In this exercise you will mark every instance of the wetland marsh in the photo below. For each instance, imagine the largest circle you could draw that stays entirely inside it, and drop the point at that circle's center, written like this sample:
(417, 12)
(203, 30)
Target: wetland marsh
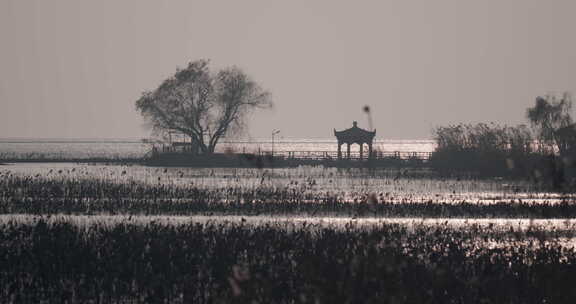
(98, 233)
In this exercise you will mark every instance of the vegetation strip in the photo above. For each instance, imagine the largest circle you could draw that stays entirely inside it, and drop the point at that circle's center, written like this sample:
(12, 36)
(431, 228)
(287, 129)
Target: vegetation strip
(215, 262)
(38, 195)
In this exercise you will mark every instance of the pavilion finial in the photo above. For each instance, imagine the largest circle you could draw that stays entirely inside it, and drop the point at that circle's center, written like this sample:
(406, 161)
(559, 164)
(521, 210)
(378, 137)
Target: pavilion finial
(354, 124)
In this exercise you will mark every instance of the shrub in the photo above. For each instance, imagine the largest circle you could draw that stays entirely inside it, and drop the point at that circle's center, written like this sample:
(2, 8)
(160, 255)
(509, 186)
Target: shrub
(487, 149)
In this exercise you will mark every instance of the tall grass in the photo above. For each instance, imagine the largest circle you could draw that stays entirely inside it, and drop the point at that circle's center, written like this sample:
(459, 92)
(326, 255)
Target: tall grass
(278, 193)
(138, 258)
(225, 263)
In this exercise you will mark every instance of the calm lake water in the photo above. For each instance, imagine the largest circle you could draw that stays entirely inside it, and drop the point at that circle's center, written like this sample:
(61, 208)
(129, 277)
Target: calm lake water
(130, 148)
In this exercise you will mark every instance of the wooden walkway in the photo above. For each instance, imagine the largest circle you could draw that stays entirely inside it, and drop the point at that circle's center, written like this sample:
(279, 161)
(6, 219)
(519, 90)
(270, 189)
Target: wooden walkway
(264, 159)
(333, 155)
(316, 155)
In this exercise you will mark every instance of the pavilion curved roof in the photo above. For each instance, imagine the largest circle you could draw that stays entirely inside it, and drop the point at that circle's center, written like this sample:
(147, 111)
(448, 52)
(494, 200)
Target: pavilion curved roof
(355, 135)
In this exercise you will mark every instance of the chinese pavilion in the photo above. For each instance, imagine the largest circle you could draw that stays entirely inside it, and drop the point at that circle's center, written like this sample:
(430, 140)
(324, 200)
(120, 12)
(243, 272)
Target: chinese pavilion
(355, 135)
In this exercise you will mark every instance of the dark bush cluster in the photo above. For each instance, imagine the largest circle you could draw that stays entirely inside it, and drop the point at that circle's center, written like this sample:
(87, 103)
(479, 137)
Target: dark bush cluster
(488, 149)
(494, 150)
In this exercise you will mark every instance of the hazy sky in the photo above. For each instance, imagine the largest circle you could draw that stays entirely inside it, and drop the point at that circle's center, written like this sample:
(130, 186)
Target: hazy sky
(74, 68)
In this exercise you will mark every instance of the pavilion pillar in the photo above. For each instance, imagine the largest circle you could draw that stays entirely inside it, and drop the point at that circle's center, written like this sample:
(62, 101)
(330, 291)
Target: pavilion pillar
(348, 151)
(339, 150)
(361, 151)
(369, 150)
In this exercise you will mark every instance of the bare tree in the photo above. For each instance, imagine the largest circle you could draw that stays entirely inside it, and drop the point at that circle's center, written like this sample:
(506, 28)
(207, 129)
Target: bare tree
(203, 105)
(549, 115)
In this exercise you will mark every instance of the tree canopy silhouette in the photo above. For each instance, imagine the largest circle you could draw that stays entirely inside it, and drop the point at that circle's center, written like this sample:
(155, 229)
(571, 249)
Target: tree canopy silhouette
(549, 115)
(202, 104)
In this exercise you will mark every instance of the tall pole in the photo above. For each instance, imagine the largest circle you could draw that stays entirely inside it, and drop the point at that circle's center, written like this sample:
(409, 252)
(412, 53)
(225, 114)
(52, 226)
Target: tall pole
(367, 111)
(274, 132)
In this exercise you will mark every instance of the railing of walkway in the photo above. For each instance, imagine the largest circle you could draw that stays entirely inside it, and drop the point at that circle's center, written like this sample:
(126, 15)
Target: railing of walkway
(354, 155)
(320, 155)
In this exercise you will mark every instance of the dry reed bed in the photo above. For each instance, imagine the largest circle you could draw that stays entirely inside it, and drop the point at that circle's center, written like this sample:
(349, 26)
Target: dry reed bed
(215, 262)
(117, 190)
(146, 254)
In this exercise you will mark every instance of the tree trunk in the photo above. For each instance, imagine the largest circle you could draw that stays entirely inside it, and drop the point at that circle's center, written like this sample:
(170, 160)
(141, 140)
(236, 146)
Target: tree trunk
(212, 147)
